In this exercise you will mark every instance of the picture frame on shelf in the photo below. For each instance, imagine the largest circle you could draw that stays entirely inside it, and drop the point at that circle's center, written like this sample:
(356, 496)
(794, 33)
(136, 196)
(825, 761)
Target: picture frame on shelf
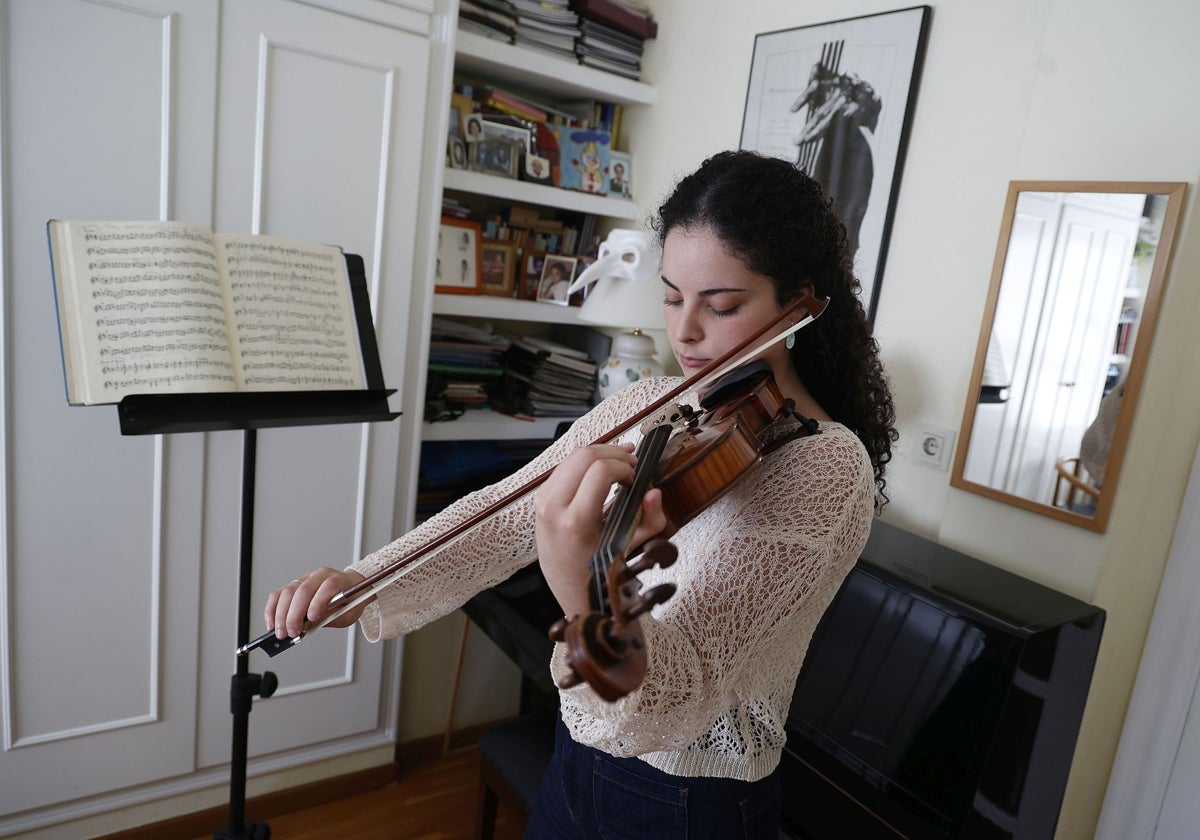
(620, 174)
(472, 127)
(456, 271)
(531, 274)
(498, 268)
(518, 134)
(496, 156)
(557, 272)
(458, 153)
(583, 159)
(582, 262)
(837, 100)
(537, 170)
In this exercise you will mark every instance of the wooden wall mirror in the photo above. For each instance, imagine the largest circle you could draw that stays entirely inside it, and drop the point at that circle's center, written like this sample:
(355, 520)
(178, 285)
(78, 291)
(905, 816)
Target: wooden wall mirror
(1075, 294)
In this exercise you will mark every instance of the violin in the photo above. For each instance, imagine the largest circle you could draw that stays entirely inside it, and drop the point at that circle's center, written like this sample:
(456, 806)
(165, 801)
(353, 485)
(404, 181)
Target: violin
(694, 458)
(699, 464)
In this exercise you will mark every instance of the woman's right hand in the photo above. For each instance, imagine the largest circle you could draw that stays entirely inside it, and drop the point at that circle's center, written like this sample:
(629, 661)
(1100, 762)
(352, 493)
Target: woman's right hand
(306, 599)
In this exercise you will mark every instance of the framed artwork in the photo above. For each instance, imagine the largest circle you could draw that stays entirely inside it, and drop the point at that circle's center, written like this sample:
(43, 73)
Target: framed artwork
(456, 271)
(498, 268)
(837, 99)
(620, 175)
(557, 273)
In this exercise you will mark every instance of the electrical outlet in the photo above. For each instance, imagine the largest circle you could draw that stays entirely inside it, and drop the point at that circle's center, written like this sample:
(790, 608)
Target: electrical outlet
(932, 446)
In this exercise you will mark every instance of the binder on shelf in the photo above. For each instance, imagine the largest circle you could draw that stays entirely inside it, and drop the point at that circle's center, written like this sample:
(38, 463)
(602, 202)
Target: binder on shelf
(619, 18)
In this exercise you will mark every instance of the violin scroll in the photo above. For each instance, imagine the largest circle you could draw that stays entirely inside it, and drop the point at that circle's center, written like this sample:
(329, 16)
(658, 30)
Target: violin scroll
(607, 650)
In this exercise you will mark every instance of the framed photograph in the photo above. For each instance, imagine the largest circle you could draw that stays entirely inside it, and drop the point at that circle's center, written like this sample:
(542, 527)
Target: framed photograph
(518, 134)
(498, 268)
(557, 273)
(531, 274)
(458, 257)
(620, 174)
(472, 127)
(837, 99)
(537, 169)
(496, 156)
(458, 153)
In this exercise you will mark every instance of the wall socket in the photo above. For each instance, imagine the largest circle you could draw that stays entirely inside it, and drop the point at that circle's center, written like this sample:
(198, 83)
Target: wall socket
(932, 446)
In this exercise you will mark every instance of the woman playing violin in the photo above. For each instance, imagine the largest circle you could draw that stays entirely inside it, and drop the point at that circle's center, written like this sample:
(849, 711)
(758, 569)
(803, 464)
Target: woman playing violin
(694, 750)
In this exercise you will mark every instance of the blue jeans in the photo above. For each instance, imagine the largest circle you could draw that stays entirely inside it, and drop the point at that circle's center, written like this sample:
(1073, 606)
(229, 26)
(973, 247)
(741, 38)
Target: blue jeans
(589, 795)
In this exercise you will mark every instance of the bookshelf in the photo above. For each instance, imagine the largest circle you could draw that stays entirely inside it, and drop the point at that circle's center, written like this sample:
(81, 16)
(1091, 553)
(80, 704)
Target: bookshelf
(555, 78)
(550, 78)
(525, 192)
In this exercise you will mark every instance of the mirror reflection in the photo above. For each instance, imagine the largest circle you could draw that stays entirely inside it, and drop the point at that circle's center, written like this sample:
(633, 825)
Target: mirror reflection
(1073, 303)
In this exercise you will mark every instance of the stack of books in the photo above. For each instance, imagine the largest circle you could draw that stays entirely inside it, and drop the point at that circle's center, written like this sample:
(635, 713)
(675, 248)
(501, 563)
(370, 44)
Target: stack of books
(543, 378)
(464, 361)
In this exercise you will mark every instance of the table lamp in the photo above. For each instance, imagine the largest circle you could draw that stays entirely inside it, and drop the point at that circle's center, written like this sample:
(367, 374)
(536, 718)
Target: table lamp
(628, 293)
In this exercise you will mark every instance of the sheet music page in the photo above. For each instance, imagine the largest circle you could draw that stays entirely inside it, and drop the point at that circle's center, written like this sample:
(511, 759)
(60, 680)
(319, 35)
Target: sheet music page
(291, 316)
(140, 309)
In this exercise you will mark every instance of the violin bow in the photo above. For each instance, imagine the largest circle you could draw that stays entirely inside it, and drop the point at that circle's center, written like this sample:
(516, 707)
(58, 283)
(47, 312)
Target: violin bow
(370, 586)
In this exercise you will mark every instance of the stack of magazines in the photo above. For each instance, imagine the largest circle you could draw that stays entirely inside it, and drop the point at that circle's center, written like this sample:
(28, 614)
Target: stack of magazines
(545, 379)
(463, 362)
(547, 25)
(490, 18)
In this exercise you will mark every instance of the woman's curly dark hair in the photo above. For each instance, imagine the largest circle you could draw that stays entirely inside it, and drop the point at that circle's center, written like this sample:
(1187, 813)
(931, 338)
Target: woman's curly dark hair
(781, 224)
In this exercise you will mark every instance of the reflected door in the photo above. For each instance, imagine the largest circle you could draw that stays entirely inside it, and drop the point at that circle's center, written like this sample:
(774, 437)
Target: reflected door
(1064, 282)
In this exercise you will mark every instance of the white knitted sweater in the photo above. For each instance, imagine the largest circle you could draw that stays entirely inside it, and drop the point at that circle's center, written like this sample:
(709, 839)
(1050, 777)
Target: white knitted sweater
(756, 571)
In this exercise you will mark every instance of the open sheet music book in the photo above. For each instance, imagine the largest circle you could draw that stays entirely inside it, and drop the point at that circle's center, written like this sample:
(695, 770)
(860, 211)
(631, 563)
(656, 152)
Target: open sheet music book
(171, 307)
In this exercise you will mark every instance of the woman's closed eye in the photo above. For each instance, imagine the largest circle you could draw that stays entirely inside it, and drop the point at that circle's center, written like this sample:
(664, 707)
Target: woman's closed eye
(712, 306)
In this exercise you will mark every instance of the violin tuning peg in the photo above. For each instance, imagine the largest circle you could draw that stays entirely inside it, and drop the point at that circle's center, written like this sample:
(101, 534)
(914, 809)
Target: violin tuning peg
(570, 680)
(658, 552)
(558, 630)
(650, 599)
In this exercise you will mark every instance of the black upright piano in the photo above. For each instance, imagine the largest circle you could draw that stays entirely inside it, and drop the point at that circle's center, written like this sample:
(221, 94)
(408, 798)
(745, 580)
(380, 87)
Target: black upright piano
(941, 696)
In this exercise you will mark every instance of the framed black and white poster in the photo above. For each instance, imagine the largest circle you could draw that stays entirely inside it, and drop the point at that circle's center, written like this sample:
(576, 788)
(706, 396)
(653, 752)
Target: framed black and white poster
(836, 99)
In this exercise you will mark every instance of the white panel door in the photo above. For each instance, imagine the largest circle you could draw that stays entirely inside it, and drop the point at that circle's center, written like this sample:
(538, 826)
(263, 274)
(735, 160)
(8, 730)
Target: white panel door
(319, 138)
(101, 550)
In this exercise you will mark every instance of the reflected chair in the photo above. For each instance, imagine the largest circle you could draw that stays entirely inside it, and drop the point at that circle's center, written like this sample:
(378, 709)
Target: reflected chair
(1080, 495)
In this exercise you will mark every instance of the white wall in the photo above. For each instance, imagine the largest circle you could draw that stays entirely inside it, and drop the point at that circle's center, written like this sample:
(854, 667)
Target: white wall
(1018, 89)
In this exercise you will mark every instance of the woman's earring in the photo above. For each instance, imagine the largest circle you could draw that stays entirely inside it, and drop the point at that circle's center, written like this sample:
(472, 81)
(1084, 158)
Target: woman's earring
(790, 341)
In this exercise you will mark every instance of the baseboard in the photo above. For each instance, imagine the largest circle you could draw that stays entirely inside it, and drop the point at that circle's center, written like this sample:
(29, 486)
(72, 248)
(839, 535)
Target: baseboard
(421, 750)
(263, 808)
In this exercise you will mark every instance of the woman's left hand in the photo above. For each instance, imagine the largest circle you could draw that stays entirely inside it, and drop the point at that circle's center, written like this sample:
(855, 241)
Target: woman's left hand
(569, 515)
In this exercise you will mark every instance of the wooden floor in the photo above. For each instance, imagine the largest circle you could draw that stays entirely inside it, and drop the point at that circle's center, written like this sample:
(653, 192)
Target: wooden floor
(434, 800)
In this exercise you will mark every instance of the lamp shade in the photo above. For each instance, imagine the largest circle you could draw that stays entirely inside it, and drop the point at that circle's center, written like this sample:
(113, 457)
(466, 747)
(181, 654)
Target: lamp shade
(628, 289)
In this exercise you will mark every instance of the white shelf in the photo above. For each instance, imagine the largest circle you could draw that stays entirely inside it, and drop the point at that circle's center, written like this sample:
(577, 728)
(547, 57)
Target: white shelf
(484, 424)
(505, 309)
(559, 78)
(511, 189)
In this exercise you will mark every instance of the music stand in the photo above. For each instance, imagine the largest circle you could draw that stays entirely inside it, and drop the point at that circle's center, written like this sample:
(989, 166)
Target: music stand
(153, 414)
